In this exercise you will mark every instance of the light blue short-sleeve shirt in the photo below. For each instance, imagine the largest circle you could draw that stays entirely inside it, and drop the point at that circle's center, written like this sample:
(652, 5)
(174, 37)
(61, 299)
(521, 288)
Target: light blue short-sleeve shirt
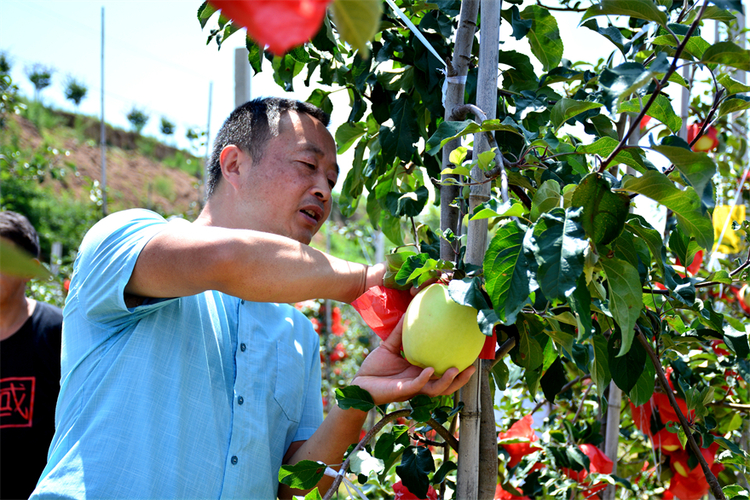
(193, 397)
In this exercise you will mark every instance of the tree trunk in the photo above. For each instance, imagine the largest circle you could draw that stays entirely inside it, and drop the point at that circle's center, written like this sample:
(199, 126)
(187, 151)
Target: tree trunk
(477, 418)
(459, 67)
(449, 215)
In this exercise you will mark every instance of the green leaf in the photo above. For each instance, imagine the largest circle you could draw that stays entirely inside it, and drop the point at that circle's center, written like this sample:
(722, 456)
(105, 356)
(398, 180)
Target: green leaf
(391, 227)
(661, 109)
(623, 80)
(632, 157)
(446, 131)
(422, 407)
(626, 369)
(639, 9)
(357, 21)
(458, 155)
(419, 269)
(347, 133)
(205, 11)
(468, 292)
(580, 300)
(390, 445)
(729, 54)
(407, 269)
(354, 396)
(416, 464)
(644, 387)
(529, 351)
(686, 204)
(737, 341)
(407, 204)
(719, 14)
(731, 85)
(604, 212)
(398, 140)
(506, 270)
(682, 246)
(734, 104)
(545, 199)
(600, 373)
(694, 47)
(625, 298)
(521, 74)
(565, 109)
(303, 475)
(494, 208)
(394, 261)
(444, 469)
(602, 126)
(255, 56)
(639, 227)
(544, 36)
(313, 494)
(698, 169)
(559, 252)
(721, 276)
(16, 262)
(553, 380)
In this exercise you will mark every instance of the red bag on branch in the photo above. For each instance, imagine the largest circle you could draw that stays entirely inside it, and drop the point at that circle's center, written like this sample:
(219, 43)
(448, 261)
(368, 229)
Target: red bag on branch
(279, 25)
(490, 344)
(381, 308)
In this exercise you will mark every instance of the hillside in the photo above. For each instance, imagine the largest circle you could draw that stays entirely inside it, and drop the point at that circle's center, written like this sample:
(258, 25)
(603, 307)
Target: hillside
(141, 172)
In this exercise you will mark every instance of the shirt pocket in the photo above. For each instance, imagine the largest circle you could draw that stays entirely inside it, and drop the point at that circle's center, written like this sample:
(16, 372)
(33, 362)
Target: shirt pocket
(290, 380)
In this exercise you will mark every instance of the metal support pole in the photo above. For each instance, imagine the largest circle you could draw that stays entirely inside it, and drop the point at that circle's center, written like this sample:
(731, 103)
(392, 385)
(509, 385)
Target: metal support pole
(103, 133)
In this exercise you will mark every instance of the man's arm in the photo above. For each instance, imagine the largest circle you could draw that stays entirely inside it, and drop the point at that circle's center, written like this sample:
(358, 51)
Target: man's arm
(388, 377)
(186, 259)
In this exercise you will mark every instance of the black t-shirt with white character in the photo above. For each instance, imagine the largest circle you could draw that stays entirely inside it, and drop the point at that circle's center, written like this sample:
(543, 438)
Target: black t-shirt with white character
(29, 385)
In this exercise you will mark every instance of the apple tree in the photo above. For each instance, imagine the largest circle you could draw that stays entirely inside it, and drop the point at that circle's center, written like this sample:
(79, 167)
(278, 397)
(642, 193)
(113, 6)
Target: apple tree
(628, 332)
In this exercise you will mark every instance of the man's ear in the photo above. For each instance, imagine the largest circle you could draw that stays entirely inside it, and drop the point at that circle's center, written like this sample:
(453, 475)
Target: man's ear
(231, 160)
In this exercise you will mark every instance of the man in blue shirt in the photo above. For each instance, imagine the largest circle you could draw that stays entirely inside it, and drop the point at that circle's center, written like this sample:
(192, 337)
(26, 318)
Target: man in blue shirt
(185, 374)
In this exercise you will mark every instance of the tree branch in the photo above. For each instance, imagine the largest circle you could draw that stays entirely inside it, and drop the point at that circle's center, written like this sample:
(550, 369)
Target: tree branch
(442, 431)
(715, 487)
(659, 85)
(375, 429)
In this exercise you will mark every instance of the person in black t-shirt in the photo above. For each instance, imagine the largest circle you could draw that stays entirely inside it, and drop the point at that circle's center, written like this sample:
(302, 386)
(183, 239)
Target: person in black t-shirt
(30, 334)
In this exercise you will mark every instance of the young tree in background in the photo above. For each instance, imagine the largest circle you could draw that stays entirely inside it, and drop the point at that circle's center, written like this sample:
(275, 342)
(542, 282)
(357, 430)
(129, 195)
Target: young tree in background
(197, 138)
(166, 127)
(41, 76)
(5, 64)
(137, 118)
(75, 91)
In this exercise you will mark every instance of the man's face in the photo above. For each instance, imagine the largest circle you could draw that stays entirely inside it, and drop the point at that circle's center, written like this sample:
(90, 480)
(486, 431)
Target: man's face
(288, 192)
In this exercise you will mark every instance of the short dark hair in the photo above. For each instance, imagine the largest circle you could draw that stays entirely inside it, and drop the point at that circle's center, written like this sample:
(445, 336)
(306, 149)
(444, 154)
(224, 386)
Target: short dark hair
(251, 126)
(17, 228)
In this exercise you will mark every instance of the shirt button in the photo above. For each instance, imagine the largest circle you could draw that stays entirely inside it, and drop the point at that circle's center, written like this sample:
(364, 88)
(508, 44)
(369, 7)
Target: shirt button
(234, 460)
(240, 400)
(243, 347)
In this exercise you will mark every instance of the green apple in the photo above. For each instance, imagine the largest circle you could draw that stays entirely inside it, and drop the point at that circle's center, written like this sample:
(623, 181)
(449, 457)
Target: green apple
(439, 332)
